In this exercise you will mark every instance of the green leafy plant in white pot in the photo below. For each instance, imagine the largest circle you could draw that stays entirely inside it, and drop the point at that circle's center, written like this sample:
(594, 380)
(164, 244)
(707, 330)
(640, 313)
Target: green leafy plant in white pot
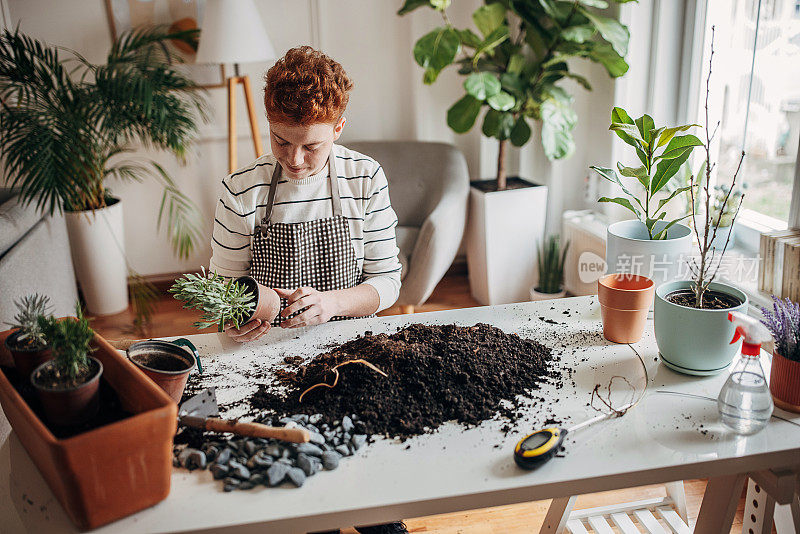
(691, 316)
(514, 67)
(550, 262)
(649, 245)
(66, 126)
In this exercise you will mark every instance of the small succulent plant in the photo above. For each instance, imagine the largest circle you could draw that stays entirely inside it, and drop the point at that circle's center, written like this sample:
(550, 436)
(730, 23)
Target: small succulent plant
(221, 301)
(69, 340)
(26, 321)
(783, 321)
(551, 265)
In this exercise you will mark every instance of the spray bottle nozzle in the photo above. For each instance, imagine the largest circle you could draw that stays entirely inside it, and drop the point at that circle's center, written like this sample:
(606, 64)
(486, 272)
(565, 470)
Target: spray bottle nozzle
(752, 332)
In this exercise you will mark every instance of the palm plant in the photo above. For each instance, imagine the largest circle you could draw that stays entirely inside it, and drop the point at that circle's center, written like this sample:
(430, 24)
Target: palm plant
(30, 308)
(220, 301)
(65, 124)
(551, 265)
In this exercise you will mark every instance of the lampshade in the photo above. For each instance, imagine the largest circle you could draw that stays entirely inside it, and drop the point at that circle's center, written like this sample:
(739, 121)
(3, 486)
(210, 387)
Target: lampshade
(232, 32)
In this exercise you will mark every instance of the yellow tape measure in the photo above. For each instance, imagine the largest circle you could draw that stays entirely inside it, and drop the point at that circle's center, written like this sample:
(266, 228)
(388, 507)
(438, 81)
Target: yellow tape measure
(535, 449)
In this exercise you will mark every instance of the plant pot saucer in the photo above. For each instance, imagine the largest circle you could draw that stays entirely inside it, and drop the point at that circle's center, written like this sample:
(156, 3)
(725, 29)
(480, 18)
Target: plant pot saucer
(689, 371)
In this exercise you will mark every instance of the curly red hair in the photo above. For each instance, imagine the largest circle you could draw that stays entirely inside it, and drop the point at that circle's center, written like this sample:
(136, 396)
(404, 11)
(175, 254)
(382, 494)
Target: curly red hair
(304, 87)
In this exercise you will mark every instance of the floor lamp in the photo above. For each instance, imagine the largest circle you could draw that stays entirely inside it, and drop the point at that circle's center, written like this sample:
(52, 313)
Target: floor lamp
(232, 32)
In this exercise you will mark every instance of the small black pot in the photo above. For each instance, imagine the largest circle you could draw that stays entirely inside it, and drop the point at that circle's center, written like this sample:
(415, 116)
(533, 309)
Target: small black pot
(73, 406)
(25, 359)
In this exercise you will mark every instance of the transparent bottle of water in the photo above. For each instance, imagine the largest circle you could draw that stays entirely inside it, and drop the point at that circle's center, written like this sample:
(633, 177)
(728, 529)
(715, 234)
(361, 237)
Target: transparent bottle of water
(745, 403)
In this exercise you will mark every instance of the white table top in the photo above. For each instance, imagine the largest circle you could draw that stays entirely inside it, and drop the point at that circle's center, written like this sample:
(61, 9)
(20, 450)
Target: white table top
(666, 437)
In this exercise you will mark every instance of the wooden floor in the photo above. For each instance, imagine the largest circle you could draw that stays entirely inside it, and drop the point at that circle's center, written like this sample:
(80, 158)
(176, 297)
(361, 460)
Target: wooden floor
(453, 292)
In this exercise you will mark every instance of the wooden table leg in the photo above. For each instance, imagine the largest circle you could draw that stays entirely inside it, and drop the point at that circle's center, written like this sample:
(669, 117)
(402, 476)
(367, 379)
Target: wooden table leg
(719, 504)
(557, 515)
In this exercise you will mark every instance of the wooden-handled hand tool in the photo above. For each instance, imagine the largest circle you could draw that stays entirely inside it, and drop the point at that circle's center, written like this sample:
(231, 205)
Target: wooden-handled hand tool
(202, 411)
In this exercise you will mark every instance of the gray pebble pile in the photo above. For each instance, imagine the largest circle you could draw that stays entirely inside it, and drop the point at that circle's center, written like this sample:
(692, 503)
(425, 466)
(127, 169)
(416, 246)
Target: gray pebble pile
(244, 463)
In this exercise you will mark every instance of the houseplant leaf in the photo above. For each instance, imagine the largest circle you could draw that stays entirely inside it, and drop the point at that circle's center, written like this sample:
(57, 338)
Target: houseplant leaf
(612, 31)
(501, 101)
(680, 144)
(411, 5)
(666, 169)
(521, 132)
(624, 202)
(668, 133)
(604, 54)
(461, 115)
(578, 34)
(437, 49)
(482, 85)
(489, 17)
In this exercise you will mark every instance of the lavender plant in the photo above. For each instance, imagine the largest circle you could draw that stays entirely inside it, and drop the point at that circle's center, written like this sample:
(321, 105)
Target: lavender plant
(783, 321)
(220, 301)
(30, 308)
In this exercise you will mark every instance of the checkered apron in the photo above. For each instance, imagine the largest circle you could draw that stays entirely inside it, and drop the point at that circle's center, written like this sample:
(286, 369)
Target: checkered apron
(315, 254)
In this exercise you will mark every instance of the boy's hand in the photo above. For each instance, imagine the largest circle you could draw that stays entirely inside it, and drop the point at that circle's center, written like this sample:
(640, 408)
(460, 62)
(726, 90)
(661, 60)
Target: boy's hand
(248, 331)
(318, 306)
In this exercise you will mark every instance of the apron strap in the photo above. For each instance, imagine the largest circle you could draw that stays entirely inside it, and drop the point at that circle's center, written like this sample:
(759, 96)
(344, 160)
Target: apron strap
(334, 176)
(273, 186)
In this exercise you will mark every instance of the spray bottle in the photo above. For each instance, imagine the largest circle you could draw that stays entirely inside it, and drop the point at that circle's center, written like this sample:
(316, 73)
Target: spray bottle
(745, 404)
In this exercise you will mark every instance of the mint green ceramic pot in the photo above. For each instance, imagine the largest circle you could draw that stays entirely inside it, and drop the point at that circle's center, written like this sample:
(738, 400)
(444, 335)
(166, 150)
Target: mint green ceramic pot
(692, 341)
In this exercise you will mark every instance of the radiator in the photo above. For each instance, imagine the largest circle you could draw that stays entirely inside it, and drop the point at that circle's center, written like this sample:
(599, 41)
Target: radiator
(585, 261)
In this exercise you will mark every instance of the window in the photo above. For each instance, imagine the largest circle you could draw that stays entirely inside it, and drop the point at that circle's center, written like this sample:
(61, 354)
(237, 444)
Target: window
(768, 80)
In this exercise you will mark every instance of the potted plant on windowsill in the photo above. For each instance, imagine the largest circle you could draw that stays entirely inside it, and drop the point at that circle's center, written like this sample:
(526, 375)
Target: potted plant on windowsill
(231, 302)
(550, 262)
(783, 321)
(512, 67)
(27, 345)
(649, 245)
(65, 127)
(691, 316)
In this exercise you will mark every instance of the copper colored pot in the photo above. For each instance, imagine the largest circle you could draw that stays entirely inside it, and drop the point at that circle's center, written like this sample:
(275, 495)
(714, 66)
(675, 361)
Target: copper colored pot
(67, 407)
(26, 360)
(784, 383)
(171, 381)
(625, 300)
(268, 303)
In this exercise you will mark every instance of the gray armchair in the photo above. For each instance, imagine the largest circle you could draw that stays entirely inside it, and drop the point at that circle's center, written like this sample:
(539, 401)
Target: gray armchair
(429, 188)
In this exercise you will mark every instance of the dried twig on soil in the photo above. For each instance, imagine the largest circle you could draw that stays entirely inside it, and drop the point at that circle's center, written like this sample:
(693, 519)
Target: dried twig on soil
(335, 370)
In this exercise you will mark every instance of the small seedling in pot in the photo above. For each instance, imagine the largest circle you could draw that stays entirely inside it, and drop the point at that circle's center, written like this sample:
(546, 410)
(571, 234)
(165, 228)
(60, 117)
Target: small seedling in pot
(551, 265)
(221, 301)
(69, 340)
(26, 321)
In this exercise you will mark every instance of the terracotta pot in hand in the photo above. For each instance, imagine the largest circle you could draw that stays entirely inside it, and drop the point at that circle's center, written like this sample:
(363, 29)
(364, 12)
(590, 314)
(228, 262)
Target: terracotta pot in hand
(784, 383)
(268, 303)
(25, 359)
(625, 300)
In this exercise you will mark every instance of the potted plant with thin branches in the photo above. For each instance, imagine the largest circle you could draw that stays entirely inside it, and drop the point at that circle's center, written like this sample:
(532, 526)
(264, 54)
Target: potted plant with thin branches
(515, 67)
(691, 316)
(27, 345)
(550, 262)
(65, 128)
(225, 302)
(649, 245)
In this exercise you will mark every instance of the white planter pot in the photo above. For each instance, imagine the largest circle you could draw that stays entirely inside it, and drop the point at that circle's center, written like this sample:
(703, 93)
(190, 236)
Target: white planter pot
(629, 250)
(537, 295)
(98, 255)
(504, 229)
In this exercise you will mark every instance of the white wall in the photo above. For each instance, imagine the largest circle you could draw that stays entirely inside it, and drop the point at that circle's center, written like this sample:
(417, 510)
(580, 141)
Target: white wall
(389, 102)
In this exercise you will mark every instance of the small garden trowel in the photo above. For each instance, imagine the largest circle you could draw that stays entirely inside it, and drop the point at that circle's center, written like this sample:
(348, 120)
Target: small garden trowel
(201, 411)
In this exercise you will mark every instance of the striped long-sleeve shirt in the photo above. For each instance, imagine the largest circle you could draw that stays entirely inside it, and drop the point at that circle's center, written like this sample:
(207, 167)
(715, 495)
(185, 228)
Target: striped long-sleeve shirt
(364, 193)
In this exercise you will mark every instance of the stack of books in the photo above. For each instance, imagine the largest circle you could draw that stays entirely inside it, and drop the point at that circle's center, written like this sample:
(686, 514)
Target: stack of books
(779, 274)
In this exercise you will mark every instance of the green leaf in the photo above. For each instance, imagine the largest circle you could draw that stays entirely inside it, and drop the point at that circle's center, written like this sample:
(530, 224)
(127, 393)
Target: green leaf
(521, 132)
(513, 84)
(672, 195)
(482, 85)
(491, 42)
(668, 133)
(620, 115)
(663, 233)
(646, 125)
(581, 80)
(631, 134)
(505, 126)
(624, 202)
(679, 144)
(440, 5)
(430, 75)
(611, 176)
(612, 31)
(515, 64)
(599, 4)
(608, 57)
(501, 101)
(666, 169)
(491, 123)
(578, 34)
(558, 120)
(640, 173)
(411, 5)
(437, 49)
(461, 115)
(469, 38)
(651, 222)
(489, 17)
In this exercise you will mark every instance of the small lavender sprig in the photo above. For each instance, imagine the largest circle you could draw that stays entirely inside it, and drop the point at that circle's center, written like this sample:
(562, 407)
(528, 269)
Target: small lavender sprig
(220, 301)
(30, 308)
(784, 323)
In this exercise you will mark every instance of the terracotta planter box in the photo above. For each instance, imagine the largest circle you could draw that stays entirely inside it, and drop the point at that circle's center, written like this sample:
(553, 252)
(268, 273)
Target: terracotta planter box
(111, 471)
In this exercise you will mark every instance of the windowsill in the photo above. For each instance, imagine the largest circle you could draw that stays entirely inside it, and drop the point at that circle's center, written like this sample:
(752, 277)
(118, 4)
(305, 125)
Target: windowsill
(747, 284)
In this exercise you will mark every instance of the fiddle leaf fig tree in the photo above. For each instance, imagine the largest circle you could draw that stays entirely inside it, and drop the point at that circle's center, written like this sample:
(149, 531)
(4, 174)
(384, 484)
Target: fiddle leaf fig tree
(513, 63)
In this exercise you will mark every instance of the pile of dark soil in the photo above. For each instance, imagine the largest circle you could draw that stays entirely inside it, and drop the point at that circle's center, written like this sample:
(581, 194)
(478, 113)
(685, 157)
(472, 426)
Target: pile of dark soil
(712, 300)
(433, 374)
